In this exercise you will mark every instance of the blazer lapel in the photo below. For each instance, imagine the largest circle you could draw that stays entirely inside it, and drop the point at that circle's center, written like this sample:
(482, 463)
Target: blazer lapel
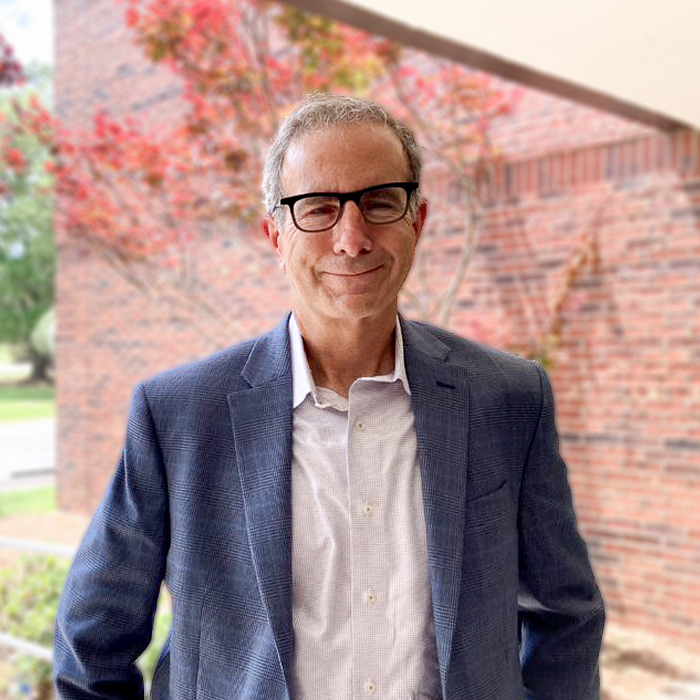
(262, 427)
(440, 398)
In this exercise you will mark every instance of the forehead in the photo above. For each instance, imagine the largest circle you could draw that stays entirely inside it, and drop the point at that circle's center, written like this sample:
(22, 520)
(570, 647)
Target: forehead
(343, 159)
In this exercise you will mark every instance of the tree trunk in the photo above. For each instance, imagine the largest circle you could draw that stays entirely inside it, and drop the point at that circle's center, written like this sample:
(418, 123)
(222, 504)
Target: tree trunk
(40, 368)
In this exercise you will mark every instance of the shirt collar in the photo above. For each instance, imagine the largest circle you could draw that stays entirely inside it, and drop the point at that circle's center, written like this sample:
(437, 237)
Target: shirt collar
(302, 382)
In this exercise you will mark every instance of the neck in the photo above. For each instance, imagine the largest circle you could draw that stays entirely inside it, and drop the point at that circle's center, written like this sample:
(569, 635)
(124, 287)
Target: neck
(340, 352)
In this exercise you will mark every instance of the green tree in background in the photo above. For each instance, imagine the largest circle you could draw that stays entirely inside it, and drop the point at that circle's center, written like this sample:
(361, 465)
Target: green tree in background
(27, 250)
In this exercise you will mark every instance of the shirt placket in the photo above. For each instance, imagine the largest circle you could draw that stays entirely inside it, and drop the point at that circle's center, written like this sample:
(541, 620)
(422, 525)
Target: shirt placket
(366, 499)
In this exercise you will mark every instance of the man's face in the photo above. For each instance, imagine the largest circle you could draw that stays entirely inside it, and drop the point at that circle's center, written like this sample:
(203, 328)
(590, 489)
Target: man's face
(355, 269)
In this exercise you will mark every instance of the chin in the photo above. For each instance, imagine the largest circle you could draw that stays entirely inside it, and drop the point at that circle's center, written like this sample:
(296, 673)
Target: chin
(356, 308)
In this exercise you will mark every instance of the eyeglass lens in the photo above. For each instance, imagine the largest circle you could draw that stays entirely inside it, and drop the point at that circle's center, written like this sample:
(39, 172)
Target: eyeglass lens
(380, 206)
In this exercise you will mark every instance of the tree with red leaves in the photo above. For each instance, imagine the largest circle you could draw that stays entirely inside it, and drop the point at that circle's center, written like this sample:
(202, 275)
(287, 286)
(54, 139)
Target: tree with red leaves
(139, 197)
(11, 72)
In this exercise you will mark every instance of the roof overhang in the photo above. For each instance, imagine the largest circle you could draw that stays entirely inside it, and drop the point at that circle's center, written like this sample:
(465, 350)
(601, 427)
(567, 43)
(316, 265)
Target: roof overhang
(639, 59)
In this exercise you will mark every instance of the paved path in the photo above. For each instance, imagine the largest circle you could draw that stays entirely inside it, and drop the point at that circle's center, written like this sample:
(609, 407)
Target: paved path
(682, 691)
(14, 370)
(27, 448)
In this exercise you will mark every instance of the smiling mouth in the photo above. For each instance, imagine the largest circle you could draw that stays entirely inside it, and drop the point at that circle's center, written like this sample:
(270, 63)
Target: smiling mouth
(353, 274)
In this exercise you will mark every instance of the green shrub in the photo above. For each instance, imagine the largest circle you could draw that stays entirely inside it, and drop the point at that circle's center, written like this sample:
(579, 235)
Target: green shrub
(29, 597)
(148, 661)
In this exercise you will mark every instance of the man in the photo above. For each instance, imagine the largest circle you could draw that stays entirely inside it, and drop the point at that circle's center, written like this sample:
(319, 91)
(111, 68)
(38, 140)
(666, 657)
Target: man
(352, 506)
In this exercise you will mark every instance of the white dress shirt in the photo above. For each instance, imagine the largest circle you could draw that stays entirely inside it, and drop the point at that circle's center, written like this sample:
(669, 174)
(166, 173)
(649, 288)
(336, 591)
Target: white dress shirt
(362, 609)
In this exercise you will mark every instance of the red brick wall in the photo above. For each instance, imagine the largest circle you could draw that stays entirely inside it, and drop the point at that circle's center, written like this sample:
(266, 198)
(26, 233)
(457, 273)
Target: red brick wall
(627, 377)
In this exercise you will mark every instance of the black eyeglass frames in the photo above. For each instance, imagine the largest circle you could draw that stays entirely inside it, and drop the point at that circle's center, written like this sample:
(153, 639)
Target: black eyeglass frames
(380, 204)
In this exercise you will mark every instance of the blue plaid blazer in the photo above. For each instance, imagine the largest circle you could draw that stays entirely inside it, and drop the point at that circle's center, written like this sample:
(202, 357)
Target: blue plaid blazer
(201, 499)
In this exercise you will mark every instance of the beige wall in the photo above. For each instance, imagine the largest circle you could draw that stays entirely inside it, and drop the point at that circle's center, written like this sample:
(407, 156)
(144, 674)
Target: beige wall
(629, 56)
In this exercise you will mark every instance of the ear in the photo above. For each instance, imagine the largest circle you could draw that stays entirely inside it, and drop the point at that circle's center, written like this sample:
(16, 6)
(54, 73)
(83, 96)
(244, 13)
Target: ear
(420, 219)
(274, 234)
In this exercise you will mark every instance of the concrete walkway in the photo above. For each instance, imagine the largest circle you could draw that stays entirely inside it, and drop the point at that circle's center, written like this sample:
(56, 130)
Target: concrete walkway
(682, 691)
(13, 371)
(27, 449)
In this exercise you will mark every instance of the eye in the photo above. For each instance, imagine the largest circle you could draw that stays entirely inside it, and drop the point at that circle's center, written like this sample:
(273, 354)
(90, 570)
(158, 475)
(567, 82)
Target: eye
(380, 204)
(386, 201)
(316, 207)
(320, 210)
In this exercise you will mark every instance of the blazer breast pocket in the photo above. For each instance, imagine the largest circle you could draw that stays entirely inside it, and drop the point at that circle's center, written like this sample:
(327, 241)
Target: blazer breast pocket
(490, 519)
(503, 486)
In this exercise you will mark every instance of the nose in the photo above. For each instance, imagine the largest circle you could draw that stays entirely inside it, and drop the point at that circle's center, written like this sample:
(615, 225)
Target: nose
(351, 233)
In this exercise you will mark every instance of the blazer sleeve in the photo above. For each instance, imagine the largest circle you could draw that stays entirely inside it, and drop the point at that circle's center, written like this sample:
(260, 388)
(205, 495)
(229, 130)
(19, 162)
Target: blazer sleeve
(106, 612)
(560, 606)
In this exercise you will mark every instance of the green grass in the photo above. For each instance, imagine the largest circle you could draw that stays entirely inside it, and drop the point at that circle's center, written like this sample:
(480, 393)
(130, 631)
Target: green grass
(31, 402)
(40, 500)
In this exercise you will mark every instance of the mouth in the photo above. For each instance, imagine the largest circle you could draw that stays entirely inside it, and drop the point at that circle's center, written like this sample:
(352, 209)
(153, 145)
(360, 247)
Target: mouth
(354, 274)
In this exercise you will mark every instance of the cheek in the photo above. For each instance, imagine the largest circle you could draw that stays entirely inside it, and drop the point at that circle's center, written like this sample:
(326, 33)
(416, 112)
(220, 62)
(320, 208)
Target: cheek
(408, 249)
(298, 265)
(305, 256)
(289, 254)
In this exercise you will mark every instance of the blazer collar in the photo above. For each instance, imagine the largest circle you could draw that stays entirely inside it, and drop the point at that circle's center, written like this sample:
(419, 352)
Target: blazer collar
(270, 358)
(420, 341)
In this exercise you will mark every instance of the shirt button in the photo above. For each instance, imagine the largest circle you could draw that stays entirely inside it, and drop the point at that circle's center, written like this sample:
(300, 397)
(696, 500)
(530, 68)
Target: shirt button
(370, 687)
(370, 597)
(367, 509)
(360, 425)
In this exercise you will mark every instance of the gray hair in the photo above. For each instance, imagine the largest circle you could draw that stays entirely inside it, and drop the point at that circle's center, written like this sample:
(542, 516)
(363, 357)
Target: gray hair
(322, 111)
